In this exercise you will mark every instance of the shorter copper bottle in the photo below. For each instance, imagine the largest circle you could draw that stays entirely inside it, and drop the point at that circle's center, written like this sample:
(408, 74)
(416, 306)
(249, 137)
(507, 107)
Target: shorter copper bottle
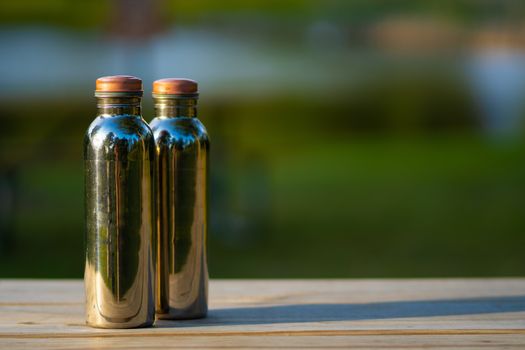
(182, 149)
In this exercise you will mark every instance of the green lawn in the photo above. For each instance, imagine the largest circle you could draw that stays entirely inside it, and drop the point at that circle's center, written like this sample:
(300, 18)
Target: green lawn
(338, 206)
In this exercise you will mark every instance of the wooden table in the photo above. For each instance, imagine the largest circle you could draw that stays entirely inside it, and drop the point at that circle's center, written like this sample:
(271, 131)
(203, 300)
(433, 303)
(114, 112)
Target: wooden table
(448, 313)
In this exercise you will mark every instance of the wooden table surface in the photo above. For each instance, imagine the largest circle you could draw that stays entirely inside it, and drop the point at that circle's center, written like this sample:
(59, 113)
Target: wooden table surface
(401, 313)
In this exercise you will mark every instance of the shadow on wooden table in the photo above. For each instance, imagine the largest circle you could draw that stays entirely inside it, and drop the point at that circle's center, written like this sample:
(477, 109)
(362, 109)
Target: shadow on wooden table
(353, 312)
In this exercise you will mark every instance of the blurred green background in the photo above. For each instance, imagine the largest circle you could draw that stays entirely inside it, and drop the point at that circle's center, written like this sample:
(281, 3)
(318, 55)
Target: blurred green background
(349, 138)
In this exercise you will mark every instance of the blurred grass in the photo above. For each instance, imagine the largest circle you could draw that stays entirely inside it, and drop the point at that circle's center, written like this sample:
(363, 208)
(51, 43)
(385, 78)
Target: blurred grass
(423, 208)
(376, 208)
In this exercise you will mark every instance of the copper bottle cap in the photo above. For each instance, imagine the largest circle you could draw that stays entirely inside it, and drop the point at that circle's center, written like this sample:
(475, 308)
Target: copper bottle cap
(175, 86)
(119, 83)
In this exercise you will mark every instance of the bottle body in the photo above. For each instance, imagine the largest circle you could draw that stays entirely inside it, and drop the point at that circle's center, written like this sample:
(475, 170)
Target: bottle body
(182, 152)
(119, 212)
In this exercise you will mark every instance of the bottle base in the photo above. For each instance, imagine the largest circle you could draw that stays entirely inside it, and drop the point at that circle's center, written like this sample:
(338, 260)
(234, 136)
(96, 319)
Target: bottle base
(108, 325)
(181, 316)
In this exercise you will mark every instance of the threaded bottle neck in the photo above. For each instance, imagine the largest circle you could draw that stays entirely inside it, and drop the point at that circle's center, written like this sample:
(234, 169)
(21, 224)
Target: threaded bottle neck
(113, 104)
(175, 106)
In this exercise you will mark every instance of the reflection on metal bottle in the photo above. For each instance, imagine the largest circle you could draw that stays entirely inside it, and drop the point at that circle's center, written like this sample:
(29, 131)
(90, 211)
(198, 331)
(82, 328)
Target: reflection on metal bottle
(119, 209)
(182, 147)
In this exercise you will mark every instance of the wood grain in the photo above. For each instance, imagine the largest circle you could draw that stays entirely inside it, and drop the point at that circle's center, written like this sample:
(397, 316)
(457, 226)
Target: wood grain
(368, 314)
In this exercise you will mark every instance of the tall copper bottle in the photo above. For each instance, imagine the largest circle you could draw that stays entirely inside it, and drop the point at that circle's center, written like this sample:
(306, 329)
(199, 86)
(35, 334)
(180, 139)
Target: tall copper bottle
(119, 209)
(182, 149)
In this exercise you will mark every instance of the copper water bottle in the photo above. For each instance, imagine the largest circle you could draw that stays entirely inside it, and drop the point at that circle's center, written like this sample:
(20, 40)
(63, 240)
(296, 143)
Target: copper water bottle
(182, 149)
(119, 155)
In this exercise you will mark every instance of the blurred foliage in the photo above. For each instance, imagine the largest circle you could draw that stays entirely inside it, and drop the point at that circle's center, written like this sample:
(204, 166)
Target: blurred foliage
(76, 14)
(353, 10)
(410, 104)
(94, 13)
